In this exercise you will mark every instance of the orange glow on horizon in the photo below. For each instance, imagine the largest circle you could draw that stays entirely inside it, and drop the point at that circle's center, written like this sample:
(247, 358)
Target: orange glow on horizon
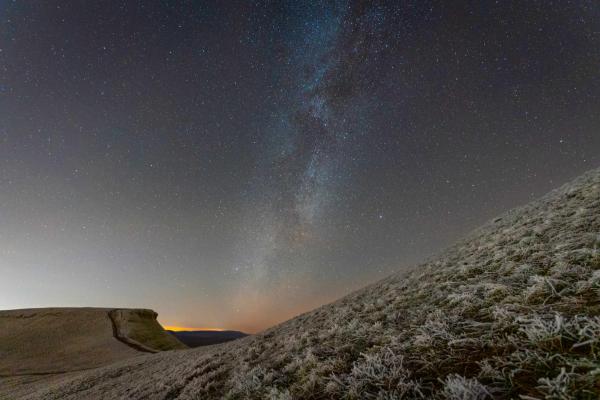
(186, 328)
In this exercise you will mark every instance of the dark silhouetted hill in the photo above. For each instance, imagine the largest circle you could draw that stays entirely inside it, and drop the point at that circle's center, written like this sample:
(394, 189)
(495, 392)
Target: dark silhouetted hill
(206, 338)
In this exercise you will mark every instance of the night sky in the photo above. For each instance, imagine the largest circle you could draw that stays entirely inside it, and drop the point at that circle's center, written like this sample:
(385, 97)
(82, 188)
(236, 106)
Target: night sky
(232, 164)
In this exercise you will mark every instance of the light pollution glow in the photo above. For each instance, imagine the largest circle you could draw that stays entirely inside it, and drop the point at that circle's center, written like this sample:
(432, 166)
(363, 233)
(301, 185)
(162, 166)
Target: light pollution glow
(187, 328)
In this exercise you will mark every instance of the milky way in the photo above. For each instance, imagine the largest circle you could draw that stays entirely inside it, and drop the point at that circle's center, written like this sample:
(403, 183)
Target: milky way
(232, 164)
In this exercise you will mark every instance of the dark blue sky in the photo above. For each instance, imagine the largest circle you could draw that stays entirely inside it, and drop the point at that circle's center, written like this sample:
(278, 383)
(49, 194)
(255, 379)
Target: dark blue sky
(231, 164)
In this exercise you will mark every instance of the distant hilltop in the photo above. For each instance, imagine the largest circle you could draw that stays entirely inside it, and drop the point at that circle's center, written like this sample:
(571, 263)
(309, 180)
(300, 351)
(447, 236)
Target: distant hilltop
(51, 341)
(206, 337)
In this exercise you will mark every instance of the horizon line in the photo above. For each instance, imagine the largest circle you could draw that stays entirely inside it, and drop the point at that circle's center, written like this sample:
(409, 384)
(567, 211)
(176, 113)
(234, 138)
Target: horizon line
(175, 328)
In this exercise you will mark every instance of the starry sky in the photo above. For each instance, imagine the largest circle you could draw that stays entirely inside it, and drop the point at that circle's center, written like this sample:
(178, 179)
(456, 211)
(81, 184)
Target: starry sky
(231, 164)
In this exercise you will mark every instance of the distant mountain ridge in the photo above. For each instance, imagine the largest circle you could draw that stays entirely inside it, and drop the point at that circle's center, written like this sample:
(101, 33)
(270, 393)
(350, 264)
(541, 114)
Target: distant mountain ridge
(206, 338)
(510, 311)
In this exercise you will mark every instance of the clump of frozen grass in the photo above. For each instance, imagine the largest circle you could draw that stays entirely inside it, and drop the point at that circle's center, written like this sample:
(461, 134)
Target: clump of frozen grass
(557, 388)
(539, 330)
(458, 387)
(502, 315)
(459, 298)
(376, 375)
(490, 372)
(581, 331)
(435, 328)
(541, 290)
(278, 394)
(495, 291)
(250, 382)
(586, 331)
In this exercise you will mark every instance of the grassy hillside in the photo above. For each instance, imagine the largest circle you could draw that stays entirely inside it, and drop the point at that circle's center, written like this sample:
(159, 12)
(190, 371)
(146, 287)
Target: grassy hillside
(41, 345)
(512, 311)
(51, 340)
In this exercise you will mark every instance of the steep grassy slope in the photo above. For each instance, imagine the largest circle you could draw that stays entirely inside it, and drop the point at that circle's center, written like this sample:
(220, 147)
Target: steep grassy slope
(139, 328)
(512, 310)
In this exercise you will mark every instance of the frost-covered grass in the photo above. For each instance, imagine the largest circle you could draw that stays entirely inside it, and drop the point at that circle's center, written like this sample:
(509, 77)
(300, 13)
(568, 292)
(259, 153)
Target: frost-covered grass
(512, 311)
